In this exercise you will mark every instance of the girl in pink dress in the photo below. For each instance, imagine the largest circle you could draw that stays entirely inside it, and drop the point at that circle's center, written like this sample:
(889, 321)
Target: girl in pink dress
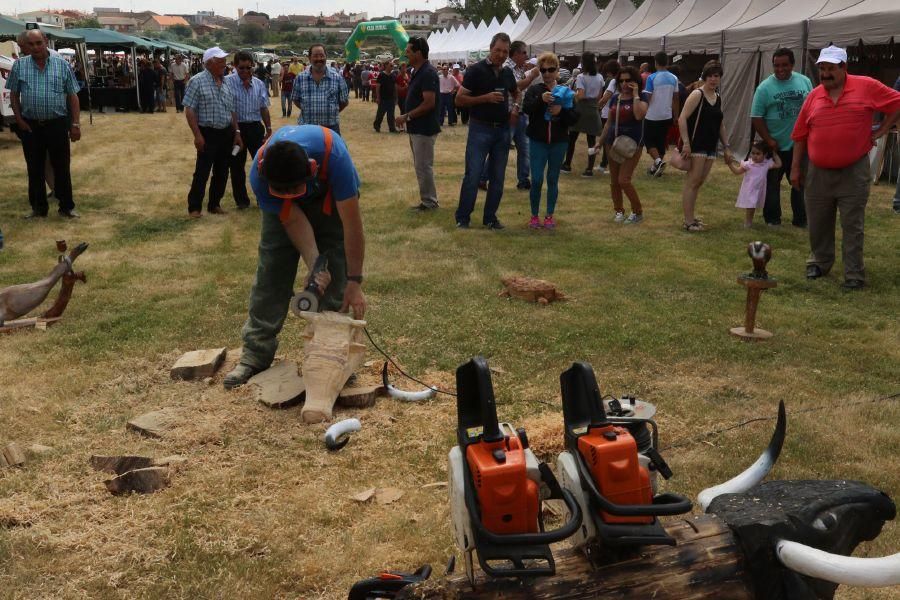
(753, 188)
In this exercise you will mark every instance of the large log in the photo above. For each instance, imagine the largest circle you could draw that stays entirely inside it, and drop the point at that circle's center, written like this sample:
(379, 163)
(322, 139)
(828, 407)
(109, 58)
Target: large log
(706, 564)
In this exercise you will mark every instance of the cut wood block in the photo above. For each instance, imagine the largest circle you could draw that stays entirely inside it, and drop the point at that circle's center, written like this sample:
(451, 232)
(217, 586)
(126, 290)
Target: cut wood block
(120, 464)
(13, 455)
(388, 495)
(169, 461)
(363, 496)
(36, 322)
(155, 424)
(279, 386)
(3, 462)
(359, 397)
(198, 364)
(39, 449)
(142, 481)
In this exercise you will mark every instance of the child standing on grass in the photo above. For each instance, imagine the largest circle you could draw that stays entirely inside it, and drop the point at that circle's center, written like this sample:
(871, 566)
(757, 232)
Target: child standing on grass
(755, 171)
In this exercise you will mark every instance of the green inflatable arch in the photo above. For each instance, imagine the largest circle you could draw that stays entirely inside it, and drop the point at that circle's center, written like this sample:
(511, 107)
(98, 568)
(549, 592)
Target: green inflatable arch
(368, 29)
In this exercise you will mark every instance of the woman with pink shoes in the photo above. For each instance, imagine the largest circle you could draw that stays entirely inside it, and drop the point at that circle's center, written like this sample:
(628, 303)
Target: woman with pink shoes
(548, 133)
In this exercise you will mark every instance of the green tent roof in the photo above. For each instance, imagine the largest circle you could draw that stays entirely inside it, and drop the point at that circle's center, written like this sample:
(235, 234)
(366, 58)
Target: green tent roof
(105, 37)
(10, 28)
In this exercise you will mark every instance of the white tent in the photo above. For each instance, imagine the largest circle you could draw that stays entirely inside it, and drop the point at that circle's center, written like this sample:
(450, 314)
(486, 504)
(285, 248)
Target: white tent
(870, 21)
(536, 24)
(748, 55)
(688, 14)
(556, 23)
(615, 13)
(520, 26)
(707, 37)
(647, 15)
(586, 15)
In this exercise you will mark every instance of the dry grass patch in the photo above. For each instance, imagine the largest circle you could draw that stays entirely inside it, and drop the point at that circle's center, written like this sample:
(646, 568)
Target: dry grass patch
(260, 509)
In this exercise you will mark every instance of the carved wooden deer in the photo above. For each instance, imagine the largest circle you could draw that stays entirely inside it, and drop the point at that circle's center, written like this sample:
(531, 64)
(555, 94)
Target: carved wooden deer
(18, 300)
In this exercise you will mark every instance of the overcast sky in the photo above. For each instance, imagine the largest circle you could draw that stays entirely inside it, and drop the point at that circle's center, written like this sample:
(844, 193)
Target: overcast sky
(227, 8)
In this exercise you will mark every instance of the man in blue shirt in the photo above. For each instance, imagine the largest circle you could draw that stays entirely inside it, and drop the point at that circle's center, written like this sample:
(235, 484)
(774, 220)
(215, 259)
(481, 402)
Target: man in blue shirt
(776, 104)
(319, 92)
(664, 107)
(308, 191)
(44, 100)
(209, 108)
(251, 103)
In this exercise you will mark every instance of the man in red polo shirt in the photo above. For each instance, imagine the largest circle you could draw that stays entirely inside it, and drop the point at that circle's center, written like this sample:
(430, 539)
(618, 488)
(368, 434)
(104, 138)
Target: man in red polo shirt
(834, 128)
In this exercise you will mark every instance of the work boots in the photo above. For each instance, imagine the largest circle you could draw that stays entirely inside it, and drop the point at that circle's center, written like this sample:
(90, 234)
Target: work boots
(239, 376)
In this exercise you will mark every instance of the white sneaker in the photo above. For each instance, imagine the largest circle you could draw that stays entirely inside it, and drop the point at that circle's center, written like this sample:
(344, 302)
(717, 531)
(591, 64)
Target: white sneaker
(620, 217)
(600, 170)
(660, 169)
(634, 219)
(652, 169)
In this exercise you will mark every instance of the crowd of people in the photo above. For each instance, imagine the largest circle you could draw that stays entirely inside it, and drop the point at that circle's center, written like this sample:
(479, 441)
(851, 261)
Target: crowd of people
(536, 106)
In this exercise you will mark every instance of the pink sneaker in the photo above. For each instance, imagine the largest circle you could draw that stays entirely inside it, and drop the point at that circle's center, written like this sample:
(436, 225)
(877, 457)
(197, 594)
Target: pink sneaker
(549, 223)
(535, 222)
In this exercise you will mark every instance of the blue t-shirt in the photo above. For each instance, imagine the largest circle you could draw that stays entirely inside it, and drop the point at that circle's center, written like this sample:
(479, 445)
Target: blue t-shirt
(779, 103)
(661, 86)
(342, 177)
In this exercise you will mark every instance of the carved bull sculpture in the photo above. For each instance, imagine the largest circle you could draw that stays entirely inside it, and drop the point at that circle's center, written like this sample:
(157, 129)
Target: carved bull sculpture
(334, 349)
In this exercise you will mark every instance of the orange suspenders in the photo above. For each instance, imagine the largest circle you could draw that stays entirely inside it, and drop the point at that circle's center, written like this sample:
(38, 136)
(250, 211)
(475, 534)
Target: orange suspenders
(328, 205)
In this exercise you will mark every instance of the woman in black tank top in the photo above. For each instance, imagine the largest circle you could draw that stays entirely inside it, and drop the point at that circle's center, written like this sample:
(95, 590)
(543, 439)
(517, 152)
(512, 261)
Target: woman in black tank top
(701, 127)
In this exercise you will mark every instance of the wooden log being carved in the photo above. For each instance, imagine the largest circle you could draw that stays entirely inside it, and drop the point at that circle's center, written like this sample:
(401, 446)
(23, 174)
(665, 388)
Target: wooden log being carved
(65, 294)
(334, 349)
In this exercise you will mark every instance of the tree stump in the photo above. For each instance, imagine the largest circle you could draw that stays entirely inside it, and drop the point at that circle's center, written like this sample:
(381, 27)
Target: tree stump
(141, 481)
(531, 290)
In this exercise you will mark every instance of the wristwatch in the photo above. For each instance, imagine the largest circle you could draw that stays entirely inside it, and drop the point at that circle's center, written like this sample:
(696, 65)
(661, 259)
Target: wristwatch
(356, 278)
(76, 125)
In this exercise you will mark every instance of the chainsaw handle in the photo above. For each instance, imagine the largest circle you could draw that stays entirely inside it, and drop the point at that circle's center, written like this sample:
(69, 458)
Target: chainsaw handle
(524, 539)
(663, 504)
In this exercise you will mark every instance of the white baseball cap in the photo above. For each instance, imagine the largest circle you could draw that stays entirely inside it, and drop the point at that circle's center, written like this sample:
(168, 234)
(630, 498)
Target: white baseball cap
(455, 65)
(214, 52)
(532, 61)
(832, 54)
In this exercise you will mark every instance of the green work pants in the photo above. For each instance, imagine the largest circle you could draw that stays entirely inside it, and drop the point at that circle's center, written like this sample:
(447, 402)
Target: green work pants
(273, 287)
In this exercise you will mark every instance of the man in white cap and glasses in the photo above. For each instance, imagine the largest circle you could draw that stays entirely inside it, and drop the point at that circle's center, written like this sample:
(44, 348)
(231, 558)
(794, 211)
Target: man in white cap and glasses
(210, 112)
(834, 128)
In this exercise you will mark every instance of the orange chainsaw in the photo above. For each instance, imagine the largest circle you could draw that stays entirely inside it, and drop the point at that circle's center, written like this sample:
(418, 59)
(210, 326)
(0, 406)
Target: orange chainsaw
(497, 487)
(610, 467)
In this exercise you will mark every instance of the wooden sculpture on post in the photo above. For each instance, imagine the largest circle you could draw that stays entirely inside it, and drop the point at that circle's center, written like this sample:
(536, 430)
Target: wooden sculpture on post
(755, 282)
(334, 349)
(19, 300)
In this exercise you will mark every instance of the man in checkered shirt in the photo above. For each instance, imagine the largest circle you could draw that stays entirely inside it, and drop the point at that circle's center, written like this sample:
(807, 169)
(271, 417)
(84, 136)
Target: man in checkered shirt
(320, 93)
(209, 108)
(43, 95)
(251, 102)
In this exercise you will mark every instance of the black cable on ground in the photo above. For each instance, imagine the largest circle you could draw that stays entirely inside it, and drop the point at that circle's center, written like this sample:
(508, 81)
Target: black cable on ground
(811, 409)
(401, 371)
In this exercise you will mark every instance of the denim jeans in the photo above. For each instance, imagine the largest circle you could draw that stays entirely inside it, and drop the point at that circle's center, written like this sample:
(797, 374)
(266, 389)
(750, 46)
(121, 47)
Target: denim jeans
(286, 104)
(521, 140)
(897, 196)
(484, 142)
(448, 109)
(772, 207)
(547, 157)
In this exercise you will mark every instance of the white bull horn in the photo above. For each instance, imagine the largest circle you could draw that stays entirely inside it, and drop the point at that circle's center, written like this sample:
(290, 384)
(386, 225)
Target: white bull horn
(393, 392)
(846, 570)
(337, 436)
(757, 471)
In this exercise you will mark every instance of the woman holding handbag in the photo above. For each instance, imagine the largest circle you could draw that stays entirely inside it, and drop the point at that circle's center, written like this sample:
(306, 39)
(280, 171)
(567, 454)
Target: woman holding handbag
(622, 137)
(701, 127)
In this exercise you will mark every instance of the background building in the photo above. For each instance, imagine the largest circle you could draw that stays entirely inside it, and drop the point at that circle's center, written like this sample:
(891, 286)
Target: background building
(422, 18)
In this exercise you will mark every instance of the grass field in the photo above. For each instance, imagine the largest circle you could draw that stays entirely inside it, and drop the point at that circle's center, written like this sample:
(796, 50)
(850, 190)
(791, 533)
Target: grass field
(260, 509)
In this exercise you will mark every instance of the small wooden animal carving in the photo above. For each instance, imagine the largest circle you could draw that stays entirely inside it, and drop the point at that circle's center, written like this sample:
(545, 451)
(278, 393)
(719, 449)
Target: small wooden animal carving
(18, 300)
(532, 290)
(760, 254)
(334, 349)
